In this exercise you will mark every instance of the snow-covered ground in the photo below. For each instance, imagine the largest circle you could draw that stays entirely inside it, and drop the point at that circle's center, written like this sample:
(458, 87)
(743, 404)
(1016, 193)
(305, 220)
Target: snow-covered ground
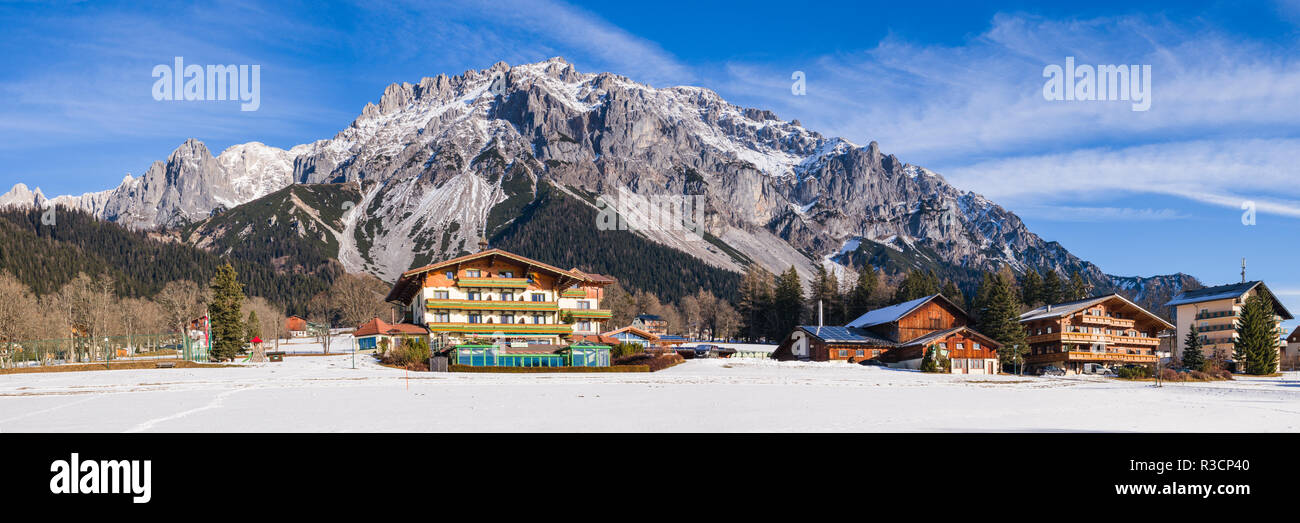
(324, 393)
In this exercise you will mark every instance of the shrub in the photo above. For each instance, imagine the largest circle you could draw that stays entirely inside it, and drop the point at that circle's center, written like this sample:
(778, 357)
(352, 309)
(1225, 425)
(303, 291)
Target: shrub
(409, 353)
(656, 362)
(1171, 375)
(1133, 373)
(623, 350)
(1200, 376)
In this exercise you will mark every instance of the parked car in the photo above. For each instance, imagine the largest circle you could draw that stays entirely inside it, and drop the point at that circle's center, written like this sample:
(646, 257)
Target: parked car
(1051, 370)
(872, 363)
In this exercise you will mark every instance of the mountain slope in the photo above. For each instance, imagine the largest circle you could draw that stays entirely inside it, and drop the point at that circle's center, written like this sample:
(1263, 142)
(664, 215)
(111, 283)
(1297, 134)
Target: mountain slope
(451, 158)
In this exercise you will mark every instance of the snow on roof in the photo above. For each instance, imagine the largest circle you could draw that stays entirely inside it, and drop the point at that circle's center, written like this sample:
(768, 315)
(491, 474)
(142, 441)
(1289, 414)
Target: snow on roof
(890, 313)
(845, 335)
(1225, 292)
(1069, 307)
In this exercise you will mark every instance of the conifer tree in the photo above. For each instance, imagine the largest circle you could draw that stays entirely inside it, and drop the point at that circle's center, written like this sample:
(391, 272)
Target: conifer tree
(916, 284)
(1256, 345)
(252, 327)
(952, 292)
(1193, 358)
(226, 313)
(755, 304)
(1031, 288)
(787, 304)
(1053, 290)
(928, 363)
(1078, 290)
(999, 317)
(859, 299)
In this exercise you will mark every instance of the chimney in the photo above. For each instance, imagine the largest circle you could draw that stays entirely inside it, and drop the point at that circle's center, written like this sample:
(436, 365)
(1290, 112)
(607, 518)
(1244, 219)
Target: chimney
(819, 313)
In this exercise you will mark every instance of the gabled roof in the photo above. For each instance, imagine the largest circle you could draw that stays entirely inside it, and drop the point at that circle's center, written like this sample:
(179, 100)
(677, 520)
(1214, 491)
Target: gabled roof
(633, 330)
(378, 326)
(938, 335)
(1225, 292)
(1057, 310)
(1295, 335)
(648, 317)
(836, 334)
(405, 286)
(894, 313)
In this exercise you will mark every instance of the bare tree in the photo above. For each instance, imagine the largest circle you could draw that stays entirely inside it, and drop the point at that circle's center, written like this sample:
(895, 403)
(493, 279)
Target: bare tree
(181, 301)
(17, 316)
(356, 298)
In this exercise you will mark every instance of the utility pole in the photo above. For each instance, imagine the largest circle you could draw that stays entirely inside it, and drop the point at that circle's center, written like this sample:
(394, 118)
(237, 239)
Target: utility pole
(1243, 270)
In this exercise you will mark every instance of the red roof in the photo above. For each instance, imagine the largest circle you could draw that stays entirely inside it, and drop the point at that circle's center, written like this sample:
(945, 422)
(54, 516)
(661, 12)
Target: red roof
(378, 326)
(596, 338)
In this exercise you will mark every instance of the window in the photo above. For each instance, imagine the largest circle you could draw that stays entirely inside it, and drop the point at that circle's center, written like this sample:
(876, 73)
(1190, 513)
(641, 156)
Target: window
(537, 296)
(539, 319)
(474, 295)
(584, 304)
(861, 353)
(507, 318)
(451, 275)
(584, 326)
(974, 345)
(961, 346)
(441, 295)
(943, 345)
(507, 295)
(507, 274)
(441, 317)
(936, 323)
(476, 318)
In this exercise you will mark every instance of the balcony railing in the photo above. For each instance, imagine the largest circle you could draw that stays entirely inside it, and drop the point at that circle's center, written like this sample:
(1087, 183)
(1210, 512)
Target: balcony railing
(1215, 314)
(492, 305)
(1106, 320)
(574, 293)
(501, 283)
(1088, 337)
(589, 313)
(504, 328)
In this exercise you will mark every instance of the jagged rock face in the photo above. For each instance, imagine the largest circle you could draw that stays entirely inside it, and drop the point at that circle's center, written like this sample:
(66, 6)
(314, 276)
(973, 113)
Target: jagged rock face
(22, 197)
(436, 157)
(190, 185)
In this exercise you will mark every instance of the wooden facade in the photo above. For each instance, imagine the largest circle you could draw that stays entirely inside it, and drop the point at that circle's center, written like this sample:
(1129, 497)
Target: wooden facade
(1105, 330)
(898, 336)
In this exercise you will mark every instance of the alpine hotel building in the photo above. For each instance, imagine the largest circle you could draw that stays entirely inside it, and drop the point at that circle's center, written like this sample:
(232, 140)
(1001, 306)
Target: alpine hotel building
(495, 294)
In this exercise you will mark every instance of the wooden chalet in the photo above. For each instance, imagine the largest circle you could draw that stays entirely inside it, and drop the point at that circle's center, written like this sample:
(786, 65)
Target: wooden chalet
(1102, 330)
(498, 295)
(898, 336)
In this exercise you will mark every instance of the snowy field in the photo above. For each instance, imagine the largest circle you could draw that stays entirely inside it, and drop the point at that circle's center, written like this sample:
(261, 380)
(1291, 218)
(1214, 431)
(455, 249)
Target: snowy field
(324, 393)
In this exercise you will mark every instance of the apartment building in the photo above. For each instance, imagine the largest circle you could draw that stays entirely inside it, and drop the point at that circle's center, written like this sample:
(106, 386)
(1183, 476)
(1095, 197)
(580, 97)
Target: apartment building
(1212, 313)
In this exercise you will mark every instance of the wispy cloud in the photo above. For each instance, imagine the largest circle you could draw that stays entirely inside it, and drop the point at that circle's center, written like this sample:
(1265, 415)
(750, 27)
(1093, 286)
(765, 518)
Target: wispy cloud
(1221, 127)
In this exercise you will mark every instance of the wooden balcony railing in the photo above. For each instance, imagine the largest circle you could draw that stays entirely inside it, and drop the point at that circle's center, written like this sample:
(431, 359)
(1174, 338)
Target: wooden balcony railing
(493, 305)
(500, 283)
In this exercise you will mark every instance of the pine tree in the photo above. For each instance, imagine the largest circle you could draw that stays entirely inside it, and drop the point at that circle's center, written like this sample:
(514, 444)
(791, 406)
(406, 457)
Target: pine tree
(1256, 345)
(1053, 290)
(953, 293)
(928, 363)
(1193, 358)
(787, 304)
(755, 304)
(252, 327)
(825, 288)
(915, 285)
(999, 317)
(226, 313)
(859, 299)
(1031, 288)
(1078, 290)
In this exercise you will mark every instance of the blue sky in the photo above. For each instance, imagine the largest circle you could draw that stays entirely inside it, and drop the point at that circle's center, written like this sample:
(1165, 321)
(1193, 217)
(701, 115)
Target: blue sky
(953, 86)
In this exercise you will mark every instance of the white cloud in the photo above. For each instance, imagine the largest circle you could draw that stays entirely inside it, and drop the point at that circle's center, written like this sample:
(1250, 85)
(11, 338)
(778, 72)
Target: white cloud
(1221, 127)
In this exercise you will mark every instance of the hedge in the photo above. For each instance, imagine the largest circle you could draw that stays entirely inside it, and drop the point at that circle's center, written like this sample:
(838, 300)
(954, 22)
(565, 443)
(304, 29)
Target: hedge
(536, 370)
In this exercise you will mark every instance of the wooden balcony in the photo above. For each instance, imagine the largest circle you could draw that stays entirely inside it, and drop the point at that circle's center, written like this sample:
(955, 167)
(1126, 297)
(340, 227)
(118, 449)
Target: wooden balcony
(1116, 357)
(573, 293)
(1106, 320)
(509, 329)
(494, 283)
(493, 305)
(1089, 338)
(590, 313)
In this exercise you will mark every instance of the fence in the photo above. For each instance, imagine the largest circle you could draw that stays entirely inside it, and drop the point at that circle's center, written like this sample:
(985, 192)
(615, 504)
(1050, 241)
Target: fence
(106, 350)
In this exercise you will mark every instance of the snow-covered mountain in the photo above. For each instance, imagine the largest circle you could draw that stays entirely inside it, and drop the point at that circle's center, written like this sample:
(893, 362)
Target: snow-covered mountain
(450, 158)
